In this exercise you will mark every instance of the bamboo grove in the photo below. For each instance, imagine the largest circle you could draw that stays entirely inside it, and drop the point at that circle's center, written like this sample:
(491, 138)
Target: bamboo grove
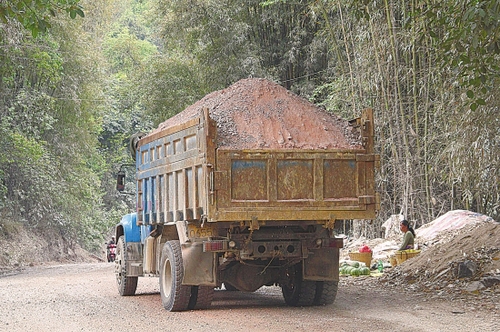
(74, 88)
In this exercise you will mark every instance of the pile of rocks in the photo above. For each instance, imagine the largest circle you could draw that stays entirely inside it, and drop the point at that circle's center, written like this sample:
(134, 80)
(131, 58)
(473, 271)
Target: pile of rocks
(467, 260)
(460, 254)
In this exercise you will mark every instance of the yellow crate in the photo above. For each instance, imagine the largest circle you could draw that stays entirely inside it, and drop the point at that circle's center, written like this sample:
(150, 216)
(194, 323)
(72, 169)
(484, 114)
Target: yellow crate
(365, 257)
(403, 255)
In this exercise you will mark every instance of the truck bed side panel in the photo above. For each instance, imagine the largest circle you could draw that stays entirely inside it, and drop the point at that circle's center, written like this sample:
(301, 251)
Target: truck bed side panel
(172, 176)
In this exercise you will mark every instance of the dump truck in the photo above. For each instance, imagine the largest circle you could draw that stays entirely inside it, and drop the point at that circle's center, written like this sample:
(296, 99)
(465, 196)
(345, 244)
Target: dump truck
(241, 190)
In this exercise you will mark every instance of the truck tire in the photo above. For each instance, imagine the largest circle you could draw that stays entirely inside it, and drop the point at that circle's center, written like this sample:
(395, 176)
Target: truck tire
(174, 295)
(126, 285)
(326, 292)
(201, 297)
(230, 288)
(296, 291)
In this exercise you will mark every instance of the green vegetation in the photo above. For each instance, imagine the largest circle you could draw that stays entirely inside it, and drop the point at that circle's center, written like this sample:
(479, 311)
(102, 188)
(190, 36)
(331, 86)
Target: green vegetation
(79, 77)
(36, 15)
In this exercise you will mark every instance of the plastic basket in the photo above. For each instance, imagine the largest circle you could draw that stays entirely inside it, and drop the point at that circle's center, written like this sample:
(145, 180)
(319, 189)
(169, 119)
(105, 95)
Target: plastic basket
(365, 257)
(404, 255)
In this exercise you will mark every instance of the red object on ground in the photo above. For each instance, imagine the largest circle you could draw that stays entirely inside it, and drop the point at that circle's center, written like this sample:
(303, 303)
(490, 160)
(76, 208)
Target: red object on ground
(365, 248)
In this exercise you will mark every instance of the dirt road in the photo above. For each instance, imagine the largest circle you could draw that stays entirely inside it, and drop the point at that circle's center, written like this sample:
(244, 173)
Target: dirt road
(83, 297)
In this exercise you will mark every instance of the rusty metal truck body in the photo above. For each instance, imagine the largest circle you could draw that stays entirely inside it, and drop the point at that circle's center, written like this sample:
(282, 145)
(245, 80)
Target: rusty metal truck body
(209, 217)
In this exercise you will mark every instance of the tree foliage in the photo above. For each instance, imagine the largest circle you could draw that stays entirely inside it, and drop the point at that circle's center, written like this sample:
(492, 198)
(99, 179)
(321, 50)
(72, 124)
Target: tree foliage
(222, 42)
(36, 15)
(428, 69)
(71, 96)
(468, 36)
(51, 115)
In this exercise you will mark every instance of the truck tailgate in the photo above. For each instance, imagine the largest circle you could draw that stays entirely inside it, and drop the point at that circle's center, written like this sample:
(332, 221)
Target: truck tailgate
(294, 185)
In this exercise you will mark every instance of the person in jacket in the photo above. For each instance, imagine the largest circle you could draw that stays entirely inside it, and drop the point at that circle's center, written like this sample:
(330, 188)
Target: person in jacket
(112, 241)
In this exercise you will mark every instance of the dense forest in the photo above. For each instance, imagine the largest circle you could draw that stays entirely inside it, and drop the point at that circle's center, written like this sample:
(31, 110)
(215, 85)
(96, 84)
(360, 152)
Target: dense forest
(79, 77)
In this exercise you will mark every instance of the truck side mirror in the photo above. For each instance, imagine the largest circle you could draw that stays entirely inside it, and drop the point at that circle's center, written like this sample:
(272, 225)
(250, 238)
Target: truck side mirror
(120, 181)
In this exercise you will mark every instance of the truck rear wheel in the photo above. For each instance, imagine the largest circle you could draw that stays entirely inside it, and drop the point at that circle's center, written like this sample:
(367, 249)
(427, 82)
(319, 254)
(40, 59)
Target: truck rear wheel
(326, 292)
(296, 291)
(201, 297)
(174, 295)
(126, 285)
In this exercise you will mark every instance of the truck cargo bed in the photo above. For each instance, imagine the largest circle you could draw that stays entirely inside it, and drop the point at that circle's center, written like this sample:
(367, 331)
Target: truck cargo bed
(257, 151)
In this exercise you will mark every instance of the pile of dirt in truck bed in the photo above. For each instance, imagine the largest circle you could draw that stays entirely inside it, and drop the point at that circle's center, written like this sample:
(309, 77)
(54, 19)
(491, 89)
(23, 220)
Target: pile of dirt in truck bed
(258, 114)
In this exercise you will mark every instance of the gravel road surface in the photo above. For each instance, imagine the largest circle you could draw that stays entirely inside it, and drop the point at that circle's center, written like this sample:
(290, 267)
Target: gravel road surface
(83, 297)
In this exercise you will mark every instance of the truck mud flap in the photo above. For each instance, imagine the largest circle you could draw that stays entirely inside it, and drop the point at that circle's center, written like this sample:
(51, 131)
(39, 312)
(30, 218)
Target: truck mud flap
(199, 266)
(134, 259)
(322, 265)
